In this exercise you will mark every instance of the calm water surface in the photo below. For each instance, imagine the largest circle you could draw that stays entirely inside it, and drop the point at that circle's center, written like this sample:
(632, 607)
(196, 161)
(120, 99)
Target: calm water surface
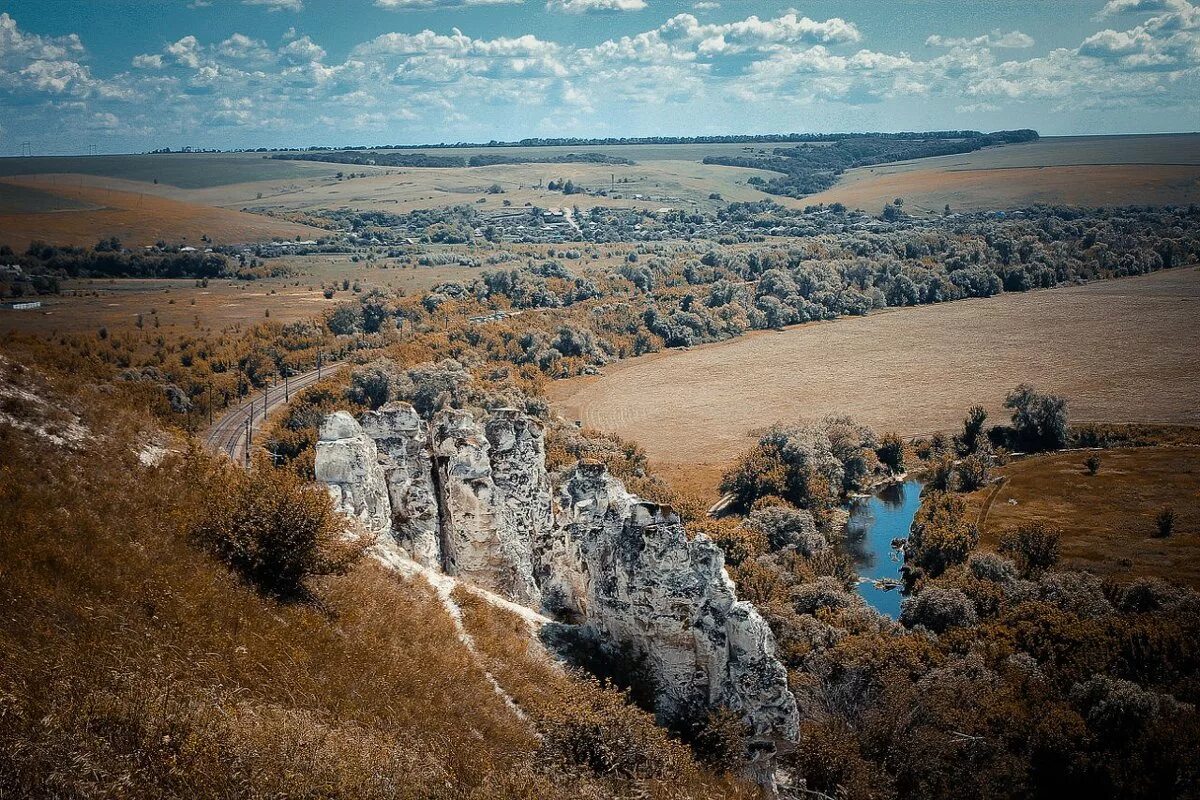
(874, 523)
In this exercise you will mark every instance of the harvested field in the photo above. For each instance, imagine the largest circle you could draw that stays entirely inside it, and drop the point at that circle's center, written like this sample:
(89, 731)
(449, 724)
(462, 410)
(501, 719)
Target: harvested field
(1122, 350)
(136, 219)
(1107, 519)
(1086, 171)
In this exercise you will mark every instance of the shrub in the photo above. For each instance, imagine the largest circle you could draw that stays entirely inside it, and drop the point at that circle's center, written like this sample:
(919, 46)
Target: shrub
(973, 473)
(938, 610)
(1034, 546)
(273, 528)
(1092, 464)
(1039, 421)
(969, 440)
(784, 526)
(1164, 522)
(941, 473)
(991, 567)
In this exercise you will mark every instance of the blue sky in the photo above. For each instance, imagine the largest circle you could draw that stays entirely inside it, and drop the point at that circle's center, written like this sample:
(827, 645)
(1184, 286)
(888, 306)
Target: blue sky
(132, 76)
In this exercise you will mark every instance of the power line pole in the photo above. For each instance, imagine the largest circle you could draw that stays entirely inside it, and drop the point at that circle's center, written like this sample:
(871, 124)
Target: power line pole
(27, 149)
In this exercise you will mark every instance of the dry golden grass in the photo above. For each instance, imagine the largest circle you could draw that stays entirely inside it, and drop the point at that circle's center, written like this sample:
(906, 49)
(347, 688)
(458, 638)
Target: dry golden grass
(136, 219)
(1107, 519)
(134, 665)
(131, 665)
(85, 305)
(1121, 350)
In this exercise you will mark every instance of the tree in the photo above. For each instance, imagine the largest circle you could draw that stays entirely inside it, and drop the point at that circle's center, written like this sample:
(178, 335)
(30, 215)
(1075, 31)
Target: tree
(345, 320)
(1039, 420)
(1164, 522)
(1034, 546)
(973, 473)
(1092, 464)
(969, 440)
(941, 534)
(891, 452)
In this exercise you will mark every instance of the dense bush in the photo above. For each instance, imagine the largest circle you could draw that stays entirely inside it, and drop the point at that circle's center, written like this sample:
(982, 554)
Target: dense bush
(273, 528)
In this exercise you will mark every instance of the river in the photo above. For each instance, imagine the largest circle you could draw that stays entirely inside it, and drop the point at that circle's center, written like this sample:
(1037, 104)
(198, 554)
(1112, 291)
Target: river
(874, 523)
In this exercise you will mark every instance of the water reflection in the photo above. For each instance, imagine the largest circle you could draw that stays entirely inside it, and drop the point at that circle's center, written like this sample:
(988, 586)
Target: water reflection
(874, 523)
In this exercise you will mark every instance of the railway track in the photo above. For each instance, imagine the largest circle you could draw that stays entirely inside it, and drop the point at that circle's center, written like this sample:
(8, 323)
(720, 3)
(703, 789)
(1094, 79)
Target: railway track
(233, 433)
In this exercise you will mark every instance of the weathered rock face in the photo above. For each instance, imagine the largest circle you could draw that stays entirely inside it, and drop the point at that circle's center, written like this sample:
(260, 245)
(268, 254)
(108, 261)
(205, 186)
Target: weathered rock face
(482, 541)
(348, 463)
(644, 584)
(402, 439)
(475, 498)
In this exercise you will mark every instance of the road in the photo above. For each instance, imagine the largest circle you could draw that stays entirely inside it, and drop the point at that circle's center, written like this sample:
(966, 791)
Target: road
(228, 433)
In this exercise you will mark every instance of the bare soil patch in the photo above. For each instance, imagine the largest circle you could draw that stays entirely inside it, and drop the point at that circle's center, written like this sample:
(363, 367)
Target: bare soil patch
(1122, 350)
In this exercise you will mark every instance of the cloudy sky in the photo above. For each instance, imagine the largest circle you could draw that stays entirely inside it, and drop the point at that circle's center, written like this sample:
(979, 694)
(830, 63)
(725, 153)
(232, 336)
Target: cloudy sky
(133, 75)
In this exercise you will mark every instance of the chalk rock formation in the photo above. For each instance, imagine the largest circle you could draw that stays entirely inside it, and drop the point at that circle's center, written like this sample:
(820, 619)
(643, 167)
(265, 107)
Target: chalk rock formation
(643, 583)
(402, 439)
(481, 542)
(348, 464)
(475, 500)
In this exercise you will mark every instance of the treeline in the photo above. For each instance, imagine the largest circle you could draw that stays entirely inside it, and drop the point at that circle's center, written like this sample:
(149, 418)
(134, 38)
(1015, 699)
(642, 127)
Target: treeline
(569, 158)
(372, 158)
(812, 169)
(108, 259)
(682, 298)
(763, 138)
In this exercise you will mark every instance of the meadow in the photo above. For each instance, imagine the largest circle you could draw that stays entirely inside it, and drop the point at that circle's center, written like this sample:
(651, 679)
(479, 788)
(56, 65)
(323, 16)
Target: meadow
(1107, 519)
(1087, 171)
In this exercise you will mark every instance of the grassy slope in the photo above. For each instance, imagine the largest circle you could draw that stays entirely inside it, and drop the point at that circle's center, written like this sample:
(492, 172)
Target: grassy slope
(132, 665)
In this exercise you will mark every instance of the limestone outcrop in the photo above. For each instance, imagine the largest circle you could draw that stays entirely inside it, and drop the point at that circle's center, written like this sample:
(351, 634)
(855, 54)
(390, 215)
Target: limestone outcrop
(402, 439)
(644, 584)
(348, 464)
(473, 499)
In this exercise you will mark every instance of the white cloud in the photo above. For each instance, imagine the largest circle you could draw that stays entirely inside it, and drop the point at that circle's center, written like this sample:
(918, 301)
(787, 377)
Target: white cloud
(1114, 7)
(416, 5)
(976, 108)
(185, 52)
(302, 51)
(1012, 39)
(705, 5)
(277, 5)
(242, 47)
(594, 6)
(148, 61)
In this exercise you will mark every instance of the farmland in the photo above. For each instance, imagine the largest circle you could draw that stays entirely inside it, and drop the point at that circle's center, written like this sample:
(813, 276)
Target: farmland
(135, 218)
(181, 306)
(113, 193)
(910, 370)
(1086, 171)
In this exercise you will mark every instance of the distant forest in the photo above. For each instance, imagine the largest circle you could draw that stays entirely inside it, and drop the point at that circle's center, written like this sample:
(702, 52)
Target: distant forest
(373, 158)
(763, 138)
(808, 169)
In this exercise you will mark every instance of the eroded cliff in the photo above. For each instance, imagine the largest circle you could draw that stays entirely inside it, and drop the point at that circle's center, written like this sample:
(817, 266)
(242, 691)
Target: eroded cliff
(473, 498)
